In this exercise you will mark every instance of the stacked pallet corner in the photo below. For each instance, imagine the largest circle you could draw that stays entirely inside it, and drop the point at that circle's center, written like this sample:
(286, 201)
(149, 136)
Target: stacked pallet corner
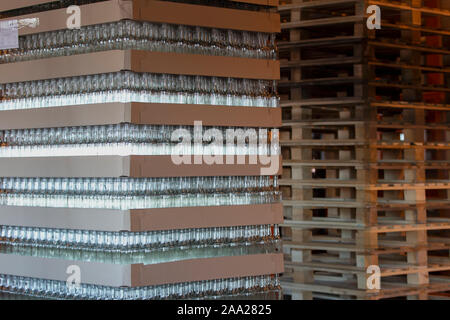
(365, 144)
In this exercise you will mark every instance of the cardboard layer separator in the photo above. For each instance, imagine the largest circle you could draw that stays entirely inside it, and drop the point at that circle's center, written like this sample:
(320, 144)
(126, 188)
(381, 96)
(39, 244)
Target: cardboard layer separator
(141, 113)
(155, 11)
(136, 275)
(139, 61)
(142, 219)
(16, 4)
(127, 166)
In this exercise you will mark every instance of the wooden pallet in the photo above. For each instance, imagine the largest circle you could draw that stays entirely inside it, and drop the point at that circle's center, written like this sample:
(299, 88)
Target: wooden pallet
(365, 155)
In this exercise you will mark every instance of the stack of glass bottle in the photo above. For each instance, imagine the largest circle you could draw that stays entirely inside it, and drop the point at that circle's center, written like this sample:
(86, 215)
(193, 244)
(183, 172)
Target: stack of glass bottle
(125, 247)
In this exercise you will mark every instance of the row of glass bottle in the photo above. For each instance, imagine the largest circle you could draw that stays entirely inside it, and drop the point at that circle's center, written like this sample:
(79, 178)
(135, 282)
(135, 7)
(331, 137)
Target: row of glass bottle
(133, 241)
(137, 82)
(187, 290)
(114, 133)
(135, 186)
(116, 202)
(127, 149)
(127, 86)
(136, 35)
(144, 256)
(127, 140)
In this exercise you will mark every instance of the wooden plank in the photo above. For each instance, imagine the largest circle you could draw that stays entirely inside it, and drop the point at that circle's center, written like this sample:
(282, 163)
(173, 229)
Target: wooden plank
(404, 125)
(406, 66)
(407, 86)
(323, 203)
(272, 3)
(414, 28)
(321, 182)
(422, 9)
(321, 122)
(405, 46)
(319, 62)
(329, 42)
(290, 287)
(321, 22)
(322, 163)
(317, 224)
(319, 81)
(410, 105)
(312, 4)
(321, 102)
(316, 142)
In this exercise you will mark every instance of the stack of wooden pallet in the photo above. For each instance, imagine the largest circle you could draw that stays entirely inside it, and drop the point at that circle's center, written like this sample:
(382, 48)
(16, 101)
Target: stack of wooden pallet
(131, 250)
(365, 145)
